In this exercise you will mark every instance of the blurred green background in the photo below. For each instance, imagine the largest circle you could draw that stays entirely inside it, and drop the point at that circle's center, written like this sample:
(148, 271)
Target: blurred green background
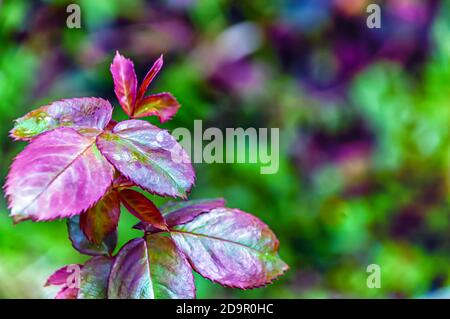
(363, 114)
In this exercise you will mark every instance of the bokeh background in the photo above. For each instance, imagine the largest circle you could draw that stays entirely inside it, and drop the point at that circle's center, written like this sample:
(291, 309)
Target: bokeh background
(363, 114)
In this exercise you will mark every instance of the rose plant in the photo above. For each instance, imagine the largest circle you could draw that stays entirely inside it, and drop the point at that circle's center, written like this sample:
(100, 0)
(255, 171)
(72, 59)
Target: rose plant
(82, 165)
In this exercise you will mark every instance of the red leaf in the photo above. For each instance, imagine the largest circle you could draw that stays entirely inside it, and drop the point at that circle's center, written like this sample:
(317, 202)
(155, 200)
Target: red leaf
(122, 182)
(162, 105)
(149, 78)
(125, 82)
(102, 219)
(143, 208)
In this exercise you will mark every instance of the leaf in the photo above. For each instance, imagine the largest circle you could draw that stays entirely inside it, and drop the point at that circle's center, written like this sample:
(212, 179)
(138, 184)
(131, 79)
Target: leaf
(67, 293)
(154, 70)
(177, 213)
(149, 157)
(122, 182)
(230, 247)
(143, 208)
(151, 268)
(59, 174)
(125, 82)
(69, 278)
(94, 278)
(81, 243)
(162, 105)
(102, 219)
(78, 113)
(60, 276)
(110, 125)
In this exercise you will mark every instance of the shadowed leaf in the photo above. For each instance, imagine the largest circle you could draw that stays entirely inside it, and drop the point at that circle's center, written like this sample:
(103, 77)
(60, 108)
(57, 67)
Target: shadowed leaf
(151, 268)
(177, 213)
(81, 243)
(102, 219)
(149, 77)
(122, 182)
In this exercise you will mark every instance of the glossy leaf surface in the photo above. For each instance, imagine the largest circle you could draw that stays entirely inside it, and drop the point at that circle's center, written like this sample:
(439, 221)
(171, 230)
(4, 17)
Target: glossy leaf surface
(151, 268)
(230, 247)
(78, 113)
(143, 208)
(94, 278)
(162, 105)
(59, 174)
(149, 157)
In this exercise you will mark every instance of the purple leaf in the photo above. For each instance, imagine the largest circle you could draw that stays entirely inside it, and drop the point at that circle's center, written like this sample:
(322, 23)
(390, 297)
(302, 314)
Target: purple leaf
(143, 208)
(125, 82)
(67, 293)
(149, 157)
(162, 105)
(230, 247)
(177, 213)
(151, 268)
(59, 174)
(69, 278)
(145, 227)
(94, 278)
(81, 243)
(102, 219)
(60, 277)
(149, 77)
(79, 113)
